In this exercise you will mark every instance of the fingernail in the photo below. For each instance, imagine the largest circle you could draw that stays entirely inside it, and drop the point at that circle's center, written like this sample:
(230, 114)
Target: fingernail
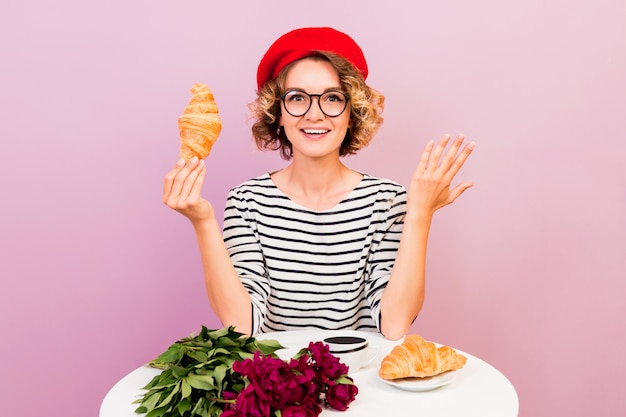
(181, 162)
(471, 145)
(194, 160)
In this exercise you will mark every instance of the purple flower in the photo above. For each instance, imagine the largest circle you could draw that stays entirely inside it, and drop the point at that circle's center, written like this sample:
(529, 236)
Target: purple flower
(275, 381)
(339, 396)
(298, 411)
(250, 405)
(311, 405)
(326, 365)
(296, 388)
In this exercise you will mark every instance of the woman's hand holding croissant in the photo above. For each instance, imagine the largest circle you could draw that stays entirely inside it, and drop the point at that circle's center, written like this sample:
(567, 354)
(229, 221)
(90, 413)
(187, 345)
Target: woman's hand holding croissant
(429, 189)
(182, 187)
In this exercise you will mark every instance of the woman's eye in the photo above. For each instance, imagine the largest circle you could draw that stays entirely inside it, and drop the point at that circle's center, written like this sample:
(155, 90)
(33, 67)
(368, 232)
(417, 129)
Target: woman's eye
(334, 97)
(296, 97)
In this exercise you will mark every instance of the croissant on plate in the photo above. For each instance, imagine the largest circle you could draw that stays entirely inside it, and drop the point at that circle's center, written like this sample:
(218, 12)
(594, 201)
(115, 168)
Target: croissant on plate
(200, 124)
(416, 357)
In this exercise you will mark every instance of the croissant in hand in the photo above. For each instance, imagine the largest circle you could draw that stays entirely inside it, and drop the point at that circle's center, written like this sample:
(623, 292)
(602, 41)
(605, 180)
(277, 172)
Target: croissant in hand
(200, 124)
(416, 357)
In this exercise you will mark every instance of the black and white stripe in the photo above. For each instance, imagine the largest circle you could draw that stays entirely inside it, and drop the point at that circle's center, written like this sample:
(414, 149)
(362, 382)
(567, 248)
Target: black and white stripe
(314, 269)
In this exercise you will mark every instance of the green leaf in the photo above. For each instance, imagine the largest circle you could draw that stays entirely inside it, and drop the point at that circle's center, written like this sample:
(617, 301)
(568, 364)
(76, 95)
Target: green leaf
(199, 356)
(267, 347)
(151, 400)
(152, 382)
(220, 374)
(166, 377)
(344, 380)
(301, 352)
(172, 355)
(167, 399)
(196, 409)
(185, 388)
(205, 345)
(216, 334)
(226, 342)
(183, 406)
(204, 333)
(178, 371)
(218, 352)
(157, 412)
(203, 382)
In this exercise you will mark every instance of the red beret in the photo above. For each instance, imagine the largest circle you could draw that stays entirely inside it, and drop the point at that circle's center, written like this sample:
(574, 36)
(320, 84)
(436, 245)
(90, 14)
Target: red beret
(301, 42)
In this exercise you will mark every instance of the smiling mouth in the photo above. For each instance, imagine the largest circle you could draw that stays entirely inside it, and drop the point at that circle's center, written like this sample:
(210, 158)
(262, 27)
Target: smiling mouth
(315, 131)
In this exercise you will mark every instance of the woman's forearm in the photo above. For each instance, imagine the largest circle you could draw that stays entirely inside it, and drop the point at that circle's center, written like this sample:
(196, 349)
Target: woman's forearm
(227, 295)
(403, 297)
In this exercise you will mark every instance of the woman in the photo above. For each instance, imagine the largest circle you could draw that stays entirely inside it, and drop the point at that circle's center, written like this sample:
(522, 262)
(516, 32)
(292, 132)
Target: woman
(317, 244)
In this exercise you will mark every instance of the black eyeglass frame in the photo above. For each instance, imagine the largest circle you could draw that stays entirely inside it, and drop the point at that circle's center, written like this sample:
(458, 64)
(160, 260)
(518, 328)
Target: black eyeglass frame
(319, 96)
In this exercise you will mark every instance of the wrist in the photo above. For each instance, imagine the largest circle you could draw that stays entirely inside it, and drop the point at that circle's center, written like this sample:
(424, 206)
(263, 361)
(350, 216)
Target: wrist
(205, 224)
(418, 217)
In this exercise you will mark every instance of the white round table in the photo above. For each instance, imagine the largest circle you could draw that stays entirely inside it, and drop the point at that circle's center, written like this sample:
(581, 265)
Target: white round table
(478, 389)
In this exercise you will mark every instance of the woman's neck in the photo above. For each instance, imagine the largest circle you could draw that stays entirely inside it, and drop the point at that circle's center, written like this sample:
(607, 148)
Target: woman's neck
(318, 186)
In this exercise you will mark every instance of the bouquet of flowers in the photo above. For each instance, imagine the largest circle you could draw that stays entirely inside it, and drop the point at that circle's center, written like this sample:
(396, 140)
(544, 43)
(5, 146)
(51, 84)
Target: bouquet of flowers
(223, 373)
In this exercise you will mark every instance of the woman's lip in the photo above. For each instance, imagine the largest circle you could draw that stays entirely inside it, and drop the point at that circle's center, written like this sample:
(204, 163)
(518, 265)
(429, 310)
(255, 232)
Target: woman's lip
(315, 136)
(312, 131)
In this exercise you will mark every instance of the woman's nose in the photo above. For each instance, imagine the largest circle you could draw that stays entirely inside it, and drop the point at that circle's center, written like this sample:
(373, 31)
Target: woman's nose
(315, 110)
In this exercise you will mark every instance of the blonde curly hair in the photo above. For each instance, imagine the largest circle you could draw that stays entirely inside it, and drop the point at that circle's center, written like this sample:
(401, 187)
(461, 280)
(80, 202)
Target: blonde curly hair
(366, 107)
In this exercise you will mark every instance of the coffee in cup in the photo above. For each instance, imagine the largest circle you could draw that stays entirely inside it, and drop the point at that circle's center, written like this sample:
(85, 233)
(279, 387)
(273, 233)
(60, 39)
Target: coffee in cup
(354, 351)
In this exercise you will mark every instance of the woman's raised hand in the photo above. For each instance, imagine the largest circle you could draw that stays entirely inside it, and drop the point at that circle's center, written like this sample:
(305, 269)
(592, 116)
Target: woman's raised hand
(182, 187)
(430, 187)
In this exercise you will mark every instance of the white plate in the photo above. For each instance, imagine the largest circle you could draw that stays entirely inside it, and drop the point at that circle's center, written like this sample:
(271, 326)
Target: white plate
(422, 384)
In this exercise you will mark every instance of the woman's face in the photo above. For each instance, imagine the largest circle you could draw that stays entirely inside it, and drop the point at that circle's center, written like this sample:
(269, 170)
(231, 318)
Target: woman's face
(314, 134)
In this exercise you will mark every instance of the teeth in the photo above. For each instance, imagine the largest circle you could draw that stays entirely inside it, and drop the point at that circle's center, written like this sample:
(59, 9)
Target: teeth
(315, 131)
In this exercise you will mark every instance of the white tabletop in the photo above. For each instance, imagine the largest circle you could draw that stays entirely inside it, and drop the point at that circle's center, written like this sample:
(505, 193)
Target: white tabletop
(478, 389)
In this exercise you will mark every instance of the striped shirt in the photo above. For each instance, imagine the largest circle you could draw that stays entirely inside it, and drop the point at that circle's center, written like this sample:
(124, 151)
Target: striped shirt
(314, 269)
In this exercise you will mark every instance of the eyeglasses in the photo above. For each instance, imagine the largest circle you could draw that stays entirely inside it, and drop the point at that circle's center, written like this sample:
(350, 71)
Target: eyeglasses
(297, 102)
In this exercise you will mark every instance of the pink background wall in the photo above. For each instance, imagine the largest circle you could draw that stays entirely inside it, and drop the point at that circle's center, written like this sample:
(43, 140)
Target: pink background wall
(526, 271)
